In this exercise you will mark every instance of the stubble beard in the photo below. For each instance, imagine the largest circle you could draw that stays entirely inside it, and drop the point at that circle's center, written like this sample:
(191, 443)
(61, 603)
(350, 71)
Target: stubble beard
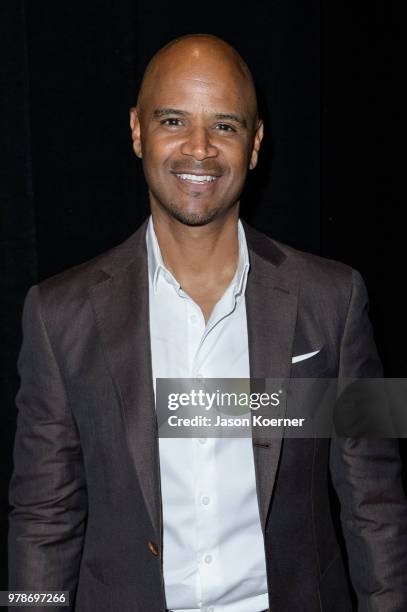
(189, 218)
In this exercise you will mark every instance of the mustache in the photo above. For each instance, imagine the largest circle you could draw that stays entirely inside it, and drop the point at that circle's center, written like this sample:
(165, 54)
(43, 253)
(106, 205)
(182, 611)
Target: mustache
(182, 167)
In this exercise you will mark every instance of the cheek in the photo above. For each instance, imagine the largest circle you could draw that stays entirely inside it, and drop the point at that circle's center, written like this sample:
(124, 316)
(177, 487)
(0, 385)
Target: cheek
(157, 155)
(238, 155)
(240, 162)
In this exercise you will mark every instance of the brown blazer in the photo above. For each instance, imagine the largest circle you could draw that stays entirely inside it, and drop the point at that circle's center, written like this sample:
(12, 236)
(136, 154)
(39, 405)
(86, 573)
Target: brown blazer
(85, 490)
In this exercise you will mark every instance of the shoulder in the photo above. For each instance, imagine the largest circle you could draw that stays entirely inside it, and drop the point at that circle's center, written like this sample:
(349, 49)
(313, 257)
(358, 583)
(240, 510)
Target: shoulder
(315, 274)
(315, 271)
(73, 285)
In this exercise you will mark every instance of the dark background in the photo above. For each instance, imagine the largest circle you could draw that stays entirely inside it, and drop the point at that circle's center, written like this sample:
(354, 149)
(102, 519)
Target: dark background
(71, 187)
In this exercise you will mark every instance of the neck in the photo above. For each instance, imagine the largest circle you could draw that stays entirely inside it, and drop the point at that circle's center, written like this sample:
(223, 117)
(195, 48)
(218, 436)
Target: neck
(207, 254)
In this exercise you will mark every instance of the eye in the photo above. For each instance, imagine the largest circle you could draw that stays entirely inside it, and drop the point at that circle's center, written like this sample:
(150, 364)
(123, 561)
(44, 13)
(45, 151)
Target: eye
(172, 122)
(224, 127)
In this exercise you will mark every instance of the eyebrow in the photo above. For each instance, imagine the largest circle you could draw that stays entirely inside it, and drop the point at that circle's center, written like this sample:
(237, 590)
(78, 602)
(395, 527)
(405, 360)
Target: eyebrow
(162, 112)
(232, 117)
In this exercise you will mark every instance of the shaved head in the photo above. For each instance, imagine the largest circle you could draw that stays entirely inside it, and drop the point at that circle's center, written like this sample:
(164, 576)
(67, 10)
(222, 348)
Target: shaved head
(196, 129)
(194, 50)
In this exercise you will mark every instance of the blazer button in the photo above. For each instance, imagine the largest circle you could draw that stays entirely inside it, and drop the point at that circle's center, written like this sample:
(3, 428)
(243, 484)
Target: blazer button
(153, 548)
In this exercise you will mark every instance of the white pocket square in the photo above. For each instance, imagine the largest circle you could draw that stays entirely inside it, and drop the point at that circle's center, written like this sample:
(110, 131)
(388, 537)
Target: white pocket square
(298, 358)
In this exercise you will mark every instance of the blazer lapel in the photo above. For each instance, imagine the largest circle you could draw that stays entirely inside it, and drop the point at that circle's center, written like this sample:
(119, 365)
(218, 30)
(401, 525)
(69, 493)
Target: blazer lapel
(122, 313)
(271, 306)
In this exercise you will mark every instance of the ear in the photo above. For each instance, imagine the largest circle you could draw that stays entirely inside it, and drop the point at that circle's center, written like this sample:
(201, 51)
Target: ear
(135, 131)
(258, 137)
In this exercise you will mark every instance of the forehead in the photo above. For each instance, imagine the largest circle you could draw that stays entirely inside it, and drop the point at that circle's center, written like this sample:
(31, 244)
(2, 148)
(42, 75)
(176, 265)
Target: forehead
(191, 84)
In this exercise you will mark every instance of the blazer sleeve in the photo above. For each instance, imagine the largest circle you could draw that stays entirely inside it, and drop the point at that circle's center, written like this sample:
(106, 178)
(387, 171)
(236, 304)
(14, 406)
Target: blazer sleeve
(47, 490)
(366, 474)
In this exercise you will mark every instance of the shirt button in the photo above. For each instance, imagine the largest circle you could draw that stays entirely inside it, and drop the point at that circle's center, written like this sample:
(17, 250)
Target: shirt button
(208, 559)
(153, 548)
(206, 500)
(203, 440)
(193, 318)
(199, 375)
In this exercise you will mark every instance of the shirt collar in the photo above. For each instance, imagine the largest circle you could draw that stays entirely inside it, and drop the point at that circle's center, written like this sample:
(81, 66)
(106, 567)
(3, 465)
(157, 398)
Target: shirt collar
(243, 264)
(156, 266)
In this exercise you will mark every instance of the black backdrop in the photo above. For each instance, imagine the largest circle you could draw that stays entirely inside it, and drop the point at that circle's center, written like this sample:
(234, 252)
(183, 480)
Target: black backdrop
(71, 186)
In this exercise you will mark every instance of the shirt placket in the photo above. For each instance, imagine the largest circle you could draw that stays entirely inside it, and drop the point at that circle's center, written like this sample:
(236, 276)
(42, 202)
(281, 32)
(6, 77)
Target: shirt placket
(209, 566)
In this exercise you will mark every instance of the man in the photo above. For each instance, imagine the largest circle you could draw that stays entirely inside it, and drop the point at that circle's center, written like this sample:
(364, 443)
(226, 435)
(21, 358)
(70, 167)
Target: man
(128, 521)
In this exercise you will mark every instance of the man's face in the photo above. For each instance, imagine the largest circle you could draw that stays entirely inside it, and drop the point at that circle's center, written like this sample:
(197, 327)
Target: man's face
(196, 131)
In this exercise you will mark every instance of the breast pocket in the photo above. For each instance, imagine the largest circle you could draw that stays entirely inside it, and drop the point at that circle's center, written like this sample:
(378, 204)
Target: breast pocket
(314, 363)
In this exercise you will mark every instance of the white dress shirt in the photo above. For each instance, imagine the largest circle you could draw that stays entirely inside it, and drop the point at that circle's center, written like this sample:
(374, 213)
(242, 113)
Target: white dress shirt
(213, 545)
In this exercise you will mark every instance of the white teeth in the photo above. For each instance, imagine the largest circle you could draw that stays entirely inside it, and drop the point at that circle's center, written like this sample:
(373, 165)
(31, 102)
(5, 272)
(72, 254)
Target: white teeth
(196, 178)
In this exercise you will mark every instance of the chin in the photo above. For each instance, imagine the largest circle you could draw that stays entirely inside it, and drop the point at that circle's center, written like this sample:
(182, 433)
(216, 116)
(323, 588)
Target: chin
(192, 218)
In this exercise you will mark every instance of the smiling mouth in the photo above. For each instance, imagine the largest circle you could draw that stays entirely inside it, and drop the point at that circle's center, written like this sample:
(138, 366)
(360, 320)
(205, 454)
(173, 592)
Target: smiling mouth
(197, 179)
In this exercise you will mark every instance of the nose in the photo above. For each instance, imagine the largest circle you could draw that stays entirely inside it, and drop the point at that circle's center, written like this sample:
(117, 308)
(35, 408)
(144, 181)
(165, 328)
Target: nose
(198, 144)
